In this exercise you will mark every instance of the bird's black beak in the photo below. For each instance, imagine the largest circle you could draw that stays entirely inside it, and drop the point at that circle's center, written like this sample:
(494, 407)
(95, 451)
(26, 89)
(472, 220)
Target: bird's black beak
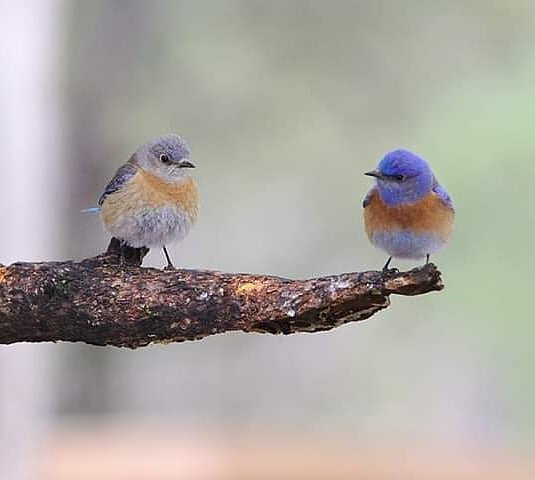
(374, 173)
(185, 163)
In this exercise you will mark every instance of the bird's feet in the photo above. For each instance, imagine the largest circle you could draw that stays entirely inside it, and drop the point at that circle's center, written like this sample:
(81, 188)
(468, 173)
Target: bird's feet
(387, 270)
(125, 254)
(169, 266)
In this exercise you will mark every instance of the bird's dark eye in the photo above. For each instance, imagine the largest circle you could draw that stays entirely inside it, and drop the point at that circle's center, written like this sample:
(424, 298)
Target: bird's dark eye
(399, 178)
(164, 158)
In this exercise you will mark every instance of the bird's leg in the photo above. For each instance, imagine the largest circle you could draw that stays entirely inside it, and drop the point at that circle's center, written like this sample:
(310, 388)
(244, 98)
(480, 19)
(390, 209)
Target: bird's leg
(127, 255)
(387, 264)
(170, 265)
(122, 256)
(115, 248)
(427, 259)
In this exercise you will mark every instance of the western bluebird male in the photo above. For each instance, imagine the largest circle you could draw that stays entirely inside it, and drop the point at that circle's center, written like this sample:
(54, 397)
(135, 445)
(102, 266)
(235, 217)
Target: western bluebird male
(152, 199)
(407, 213)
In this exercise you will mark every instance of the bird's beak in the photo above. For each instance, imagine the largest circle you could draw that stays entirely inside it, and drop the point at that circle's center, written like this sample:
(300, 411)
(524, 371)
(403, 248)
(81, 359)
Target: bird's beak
(374, 173)
(185, 163)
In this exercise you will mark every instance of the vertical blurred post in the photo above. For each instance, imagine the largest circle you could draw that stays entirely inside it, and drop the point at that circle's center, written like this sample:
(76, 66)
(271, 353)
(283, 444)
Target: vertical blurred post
(30, 200)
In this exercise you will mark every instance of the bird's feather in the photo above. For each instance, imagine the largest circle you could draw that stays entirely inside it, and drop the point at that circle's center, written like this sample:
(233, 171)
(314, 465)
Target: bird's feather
(431, 214)
(123, 175)
(442, 193)
(91, 210)
(367, 198)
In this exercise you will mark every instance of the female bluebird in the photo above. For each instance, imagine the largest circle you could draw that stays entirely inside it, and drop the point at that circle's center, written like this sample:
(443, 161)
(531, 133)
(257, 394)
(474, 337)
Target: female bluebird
(407, 213)
(152, 200)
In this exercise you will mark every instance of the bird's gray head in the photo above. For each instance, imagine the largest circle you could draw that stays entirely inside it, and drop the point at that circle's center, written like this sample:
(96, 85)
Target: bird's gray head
(167, 157)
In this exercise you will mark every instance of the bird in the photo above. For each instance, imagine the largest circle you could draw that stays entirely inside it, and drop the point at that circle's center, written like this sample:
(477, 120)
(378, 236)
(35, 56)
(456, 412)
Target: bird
(152, 200)
(407, 213)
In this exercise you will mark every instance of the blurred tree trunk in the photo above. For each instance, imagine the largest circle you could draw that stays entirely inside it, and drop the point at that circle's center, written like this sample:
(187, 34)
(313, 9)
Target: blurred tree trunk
(30, 200)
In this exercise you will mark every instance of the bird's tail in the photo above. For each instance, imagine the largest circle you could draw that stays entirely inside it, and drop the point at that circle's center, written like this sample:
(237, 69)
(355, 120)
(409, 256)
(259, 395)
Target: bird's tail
(91, 210)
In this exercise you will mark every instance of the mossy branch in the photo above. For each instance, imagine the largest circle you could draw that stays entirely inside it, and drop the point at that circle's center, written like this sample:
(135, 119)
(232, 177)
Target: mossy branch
(103, 301)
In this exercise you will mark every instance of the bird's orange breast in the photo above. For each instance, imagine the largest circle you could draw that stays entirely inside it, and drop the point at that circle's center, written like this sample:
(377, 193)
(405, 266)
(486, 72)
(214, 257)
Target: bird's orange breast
(428, 215)
(146, 191)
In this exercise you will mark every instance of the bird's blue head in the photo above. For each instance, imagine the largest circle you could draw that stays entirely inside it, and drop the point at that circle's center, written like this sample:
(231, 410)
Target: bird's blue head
(402, 177)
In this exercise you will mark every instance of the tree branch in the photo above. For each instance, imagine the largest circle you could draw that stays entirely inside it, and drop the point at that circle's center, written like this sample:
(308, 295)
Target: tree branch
(102, 301)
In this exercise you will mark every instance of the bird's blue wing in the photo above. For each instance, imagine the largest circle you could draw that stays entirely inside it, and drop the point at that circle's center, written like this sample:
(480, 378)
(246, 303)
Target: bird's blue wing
(123, 175)
(442, 193)
(367, 198)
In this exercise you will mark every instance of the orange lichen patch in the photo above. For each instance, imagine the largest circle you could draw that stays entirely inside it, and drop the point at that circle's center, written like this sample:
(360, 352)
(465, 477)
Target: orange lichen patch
(3, 271)
(430, 214)
(145, 191)
(249, 287)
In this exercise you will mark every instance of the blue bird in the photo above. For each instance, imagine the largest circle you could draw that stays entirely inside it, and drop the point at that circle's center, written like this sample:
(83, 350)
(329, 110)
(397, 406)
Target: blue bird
(408, 214)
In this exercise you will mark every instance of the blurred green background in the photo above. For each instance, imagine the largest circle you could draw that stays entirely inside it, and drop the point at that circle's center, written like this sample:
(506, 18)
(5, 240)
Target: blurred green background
(284, 106)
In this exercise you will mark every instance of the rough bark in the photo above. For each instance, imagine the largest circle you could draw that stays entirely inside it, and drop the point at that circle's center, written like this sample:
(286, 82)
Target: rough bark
(110, 300)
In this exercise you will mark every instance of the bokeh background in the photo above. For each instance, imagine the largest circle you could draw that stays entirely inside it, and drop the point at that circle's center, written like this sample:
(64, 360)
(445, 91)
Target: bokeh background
(284, 105)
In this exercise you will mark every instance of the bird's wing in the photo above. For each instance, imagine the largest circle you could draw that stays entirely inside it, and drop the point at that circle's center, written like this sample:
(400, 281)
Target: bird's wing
(368, 198)
(122, 175)
(441, 192)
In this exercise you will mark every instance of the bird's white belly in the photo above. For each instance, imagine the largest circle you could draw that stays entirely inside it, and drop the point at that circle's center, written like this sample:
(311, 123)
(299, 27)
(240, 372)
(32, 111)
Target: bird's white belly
(155, 227)
(407, 244)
